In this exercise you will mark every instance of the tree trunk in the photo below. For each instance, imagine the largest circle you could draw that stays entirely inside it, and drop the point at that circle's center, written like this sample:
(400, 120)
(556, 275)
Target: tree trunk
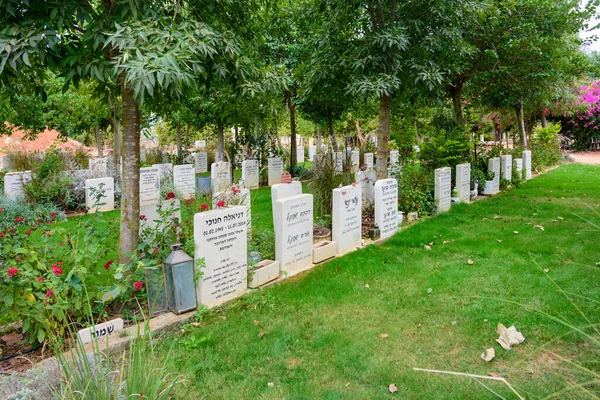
(334, 143)
(116, 124)
(293, 154)
(521, 123)
(319, 139)
(277, 136)
(383, 135)
(178, 139)
(99, 141)
(187, 136)
(543, 119)
(359, 135)
(456, 93)
(220, 142)
(130, 185)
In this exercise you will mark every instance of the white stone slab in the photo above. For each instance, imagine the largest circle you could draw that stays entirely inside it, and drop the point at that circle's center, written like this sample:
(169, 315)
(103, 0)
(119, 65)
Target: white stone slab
(366, 180)
(275, 169)
(386, 206)
(166, 170)
(220, 238)
(519, 165)
(201, 161)
(394, 157)
(149, 186)
(8, 164)
(443, 189)
(99, 166)
(241, 198)
(312, 152)
(339, 162)
(527, 164)
(355, 160)
(152, 215)
(98, 331)
(506, 167)
(463, 182)
(300, 154)
(369, 160)
(494, 166)
(282, 191)
(184, 180)
(220, 176)
(347, 218)
(250, 173)
(294, 233)
(200, 144)
(14, 183)
(108, 199)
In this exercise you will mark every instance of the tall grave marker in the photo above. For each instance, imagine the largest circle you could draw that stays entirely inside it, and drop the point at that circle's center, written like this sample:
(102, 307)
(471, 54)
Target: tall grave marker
(463, 182)
(13, 184)
(184, 180)
(201, 161)
(527, 164)
(506, 167)
(294, 233)
(220, 176)
(250, 173)
(275, 169)
(443, 189)
(107, 185)
(347, 218)
(386, 206)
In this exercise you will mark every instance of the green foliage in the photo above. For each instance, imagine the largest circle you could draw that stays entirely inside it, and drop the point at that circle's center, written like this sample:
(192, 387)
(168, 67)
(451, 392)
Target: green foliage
(415, 189)
(324, 180)
(31, 213)
(443, 151)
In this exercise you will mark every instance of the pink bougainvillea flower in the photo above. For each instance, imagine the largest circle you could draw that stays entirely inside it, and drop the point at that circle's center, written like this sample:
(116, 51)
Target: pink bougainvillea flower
(155, 250)
(108, 264)
(465, 102)
(221, 203)
(143, 218)
(49, 293)
(204, 207)
(478, 127)
(170, 195)
(138, 286)
(12, 271)
(56, 270)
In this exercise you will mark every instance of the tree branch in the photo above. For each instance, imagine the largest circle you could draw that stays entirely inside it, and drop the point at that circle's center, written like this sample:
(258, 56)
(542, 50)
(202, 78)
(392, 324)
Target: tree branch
(372, 16)
(380, 14)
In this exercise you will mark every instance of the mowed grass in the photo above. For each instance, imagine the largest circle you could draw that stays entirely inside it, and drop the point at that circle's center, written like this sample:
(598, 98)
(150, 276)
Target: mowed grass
(318, 335)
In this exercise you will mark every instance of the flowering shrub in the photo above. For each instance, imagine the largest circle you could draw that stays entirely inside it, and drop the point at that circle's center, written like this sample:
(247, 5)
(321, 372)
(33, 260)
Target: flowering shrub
(15, 213)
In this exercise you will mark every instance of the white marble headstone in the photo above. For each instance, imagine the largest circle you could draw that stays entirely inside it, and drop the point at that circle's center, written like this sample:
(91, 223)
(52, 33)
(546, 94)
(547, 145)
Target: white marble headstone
(13, 184)
(108, 198)
(355, 160)
(347, 218)
(394, 157)
(506, 167)
(294, 233)
(149, 186)
(184, 180)
(386, 206)
(275, 169)
(200, 144)
(152, 216)
(366, 180)
(443, 189)
(220, 239)
(527, 164)
(339, 162)
(250, 173)
(220, 176)
(463, 182)
(98, 331)
(312, 152)
(369, 160)
(494, 166)
(519, 165)
(201, 161)
(282, 191)
(300, 154)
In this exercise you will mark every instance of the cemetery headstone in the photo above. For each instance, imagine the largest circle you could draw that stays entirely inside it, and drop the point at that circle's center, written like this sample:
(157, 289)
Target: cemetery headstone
(220, 176)
(294, 233)
(7, 163)
(99, 166)
(184, 180)
(506, 167)
(149, 186)
(201, 161)
(463, 182)
(494, 166)
(527, 164)
(347, 218)
(241, 198)
(98, 331)
(312, 152)
(107, 185)
(443, 189)
(275, 169)
(366, 180)
(282, 191)
(250, 173)
(151, 212)
(220, 239)
(369, 160)
(519, 165)
(386, 206)
(394, 157)
(200, 144)
(355, 160)
(13, 184)
(339, 162)
(300, 154)
(166, 170)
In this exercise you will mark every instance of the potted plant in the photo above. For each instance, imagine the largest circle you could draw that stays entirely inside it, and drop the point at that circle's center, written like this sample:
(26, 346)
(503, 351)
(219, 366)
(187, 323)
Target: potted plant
(489, 183)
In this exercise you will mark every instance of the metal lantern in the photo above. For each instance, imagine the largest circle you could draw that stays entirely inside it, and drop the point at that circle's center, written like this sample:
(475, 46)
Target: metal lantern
(179, 271)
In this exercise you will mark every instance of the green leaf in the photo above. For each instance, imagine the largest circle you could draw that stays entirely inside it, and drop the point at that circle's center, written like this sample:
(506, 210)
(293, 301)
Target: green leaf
(41, 335)
(26, 325)
(111, 294)
(8, 299)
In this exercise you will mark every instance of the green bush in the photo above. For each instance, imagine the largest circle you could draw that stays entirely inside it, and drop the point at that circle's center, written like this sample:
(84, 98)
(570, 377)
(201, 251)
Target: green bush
(446, 150)
(31, 213)
(545, 147)
(415, 189)
(324, 180)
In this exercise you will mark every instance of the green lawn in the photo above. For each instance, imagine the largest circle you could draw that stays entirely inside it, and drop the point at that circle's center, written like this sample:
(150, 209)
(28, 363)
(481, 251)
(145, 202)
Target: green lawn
(318, 335)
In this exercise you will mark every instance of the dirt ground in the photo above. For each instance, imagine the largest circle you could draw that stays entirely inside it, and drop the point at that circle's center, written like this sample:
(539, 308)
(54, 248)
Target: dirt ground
(587, 157)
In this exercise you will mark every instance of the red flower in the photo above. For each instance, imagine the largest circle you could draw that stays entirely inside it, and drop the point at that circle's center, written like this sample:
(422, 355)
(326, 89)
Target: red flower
(19, 219)
(12, 272)
(56, 270)
(29, 231)
(53, 214)
(235, 189)
(143, 218)
(189, 201)
(41, 279)
(108, 264)
(221, 203)
(138, 286)
(2, 234)
(49, 293)
(465, 102)
(170, 195)
(354, 184)
(155, 250)
(204, 207)
(60, 263)
(1, 209)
